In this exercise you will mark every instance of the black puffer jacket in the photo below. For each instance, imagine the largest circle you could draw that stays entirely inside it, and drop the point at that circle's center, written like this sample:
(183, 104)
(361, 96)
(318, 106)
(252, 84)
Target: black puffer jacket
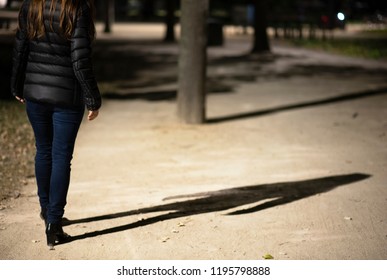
(52, 69)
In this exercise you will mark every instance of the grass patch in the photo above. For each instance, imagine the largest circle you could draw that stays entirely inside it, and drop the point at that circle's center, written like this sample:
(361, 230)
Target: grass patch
(377, 32)
(374, 48)
(17, 148)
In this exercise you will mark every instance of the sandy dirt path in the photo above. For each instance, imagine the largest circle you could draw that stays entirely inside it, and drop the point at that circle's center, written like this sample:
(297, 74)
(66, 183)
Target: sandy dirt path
(291, 164)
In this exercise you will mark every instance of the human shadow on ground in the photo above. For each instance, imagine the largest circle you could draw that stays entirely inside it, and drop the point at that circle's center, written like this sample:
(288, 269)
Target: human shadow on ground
(270, 195)
(309, 104)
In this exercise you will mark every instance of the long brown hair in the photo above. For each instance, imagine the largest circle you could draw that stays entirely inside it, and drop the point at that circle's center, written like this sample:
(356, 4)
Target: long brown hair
(69, 13)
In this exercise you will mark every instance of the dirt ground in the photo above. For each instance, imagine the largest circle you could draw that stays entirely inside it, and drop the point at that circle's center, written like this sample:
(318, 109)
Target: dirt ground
(292, 163)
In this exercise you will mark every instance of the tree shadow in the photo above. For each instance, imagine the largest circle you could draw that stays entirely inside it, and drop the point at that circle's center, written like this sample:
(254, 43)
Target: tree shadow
(122, 60)
(327, 101)
(349, 71)
(157, 93)
(148, 70)
(270, 195)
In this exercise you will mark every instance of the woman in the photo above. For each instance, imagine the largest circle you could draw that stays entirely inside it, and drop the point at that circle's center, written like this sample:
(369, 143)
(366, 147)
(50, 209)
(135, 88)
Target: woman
(52, 74)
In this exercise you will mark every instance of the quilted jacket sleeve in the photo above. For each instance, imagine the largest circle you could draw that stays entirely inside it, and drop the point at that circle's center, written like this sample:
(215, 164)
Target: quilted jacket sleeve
(81, 60)
(20, 53)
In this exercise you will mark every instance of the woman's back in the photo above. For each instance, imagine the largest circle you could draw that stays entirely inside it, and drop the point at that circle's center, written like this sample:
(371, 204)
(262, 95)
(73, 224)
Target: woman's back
(58, 67)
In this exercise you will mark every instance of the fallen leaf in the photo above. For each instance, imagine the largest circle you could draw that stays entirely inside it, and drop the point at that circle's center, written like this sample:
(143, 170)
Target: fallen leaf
(165, 239)
(268, 257)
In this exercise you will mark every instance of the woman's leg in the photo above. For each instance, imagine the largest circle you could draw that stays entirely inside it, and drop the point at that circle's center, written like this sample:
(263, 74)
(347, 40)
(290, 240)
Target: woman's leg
(66, 124)
(40, 117)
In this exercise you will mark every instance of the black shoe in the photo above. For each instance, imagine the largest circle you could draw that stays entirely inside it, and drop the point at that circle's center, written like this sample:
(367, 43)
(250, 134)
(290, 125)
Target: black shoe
(55, 235)
(43, 215)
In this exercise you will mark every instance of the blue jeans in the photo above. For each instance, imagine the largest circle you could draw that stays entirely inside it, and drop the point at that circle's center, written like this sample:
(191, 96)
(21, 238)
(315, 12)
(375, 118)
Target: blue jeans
(55, 130)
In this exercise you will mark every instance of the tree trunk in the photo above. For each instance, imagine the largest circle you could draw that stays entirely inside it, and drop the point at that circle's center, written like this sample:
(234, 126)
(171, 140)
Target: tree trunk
(109, 15)
(170, 6)
(261, 39)
(192, 61)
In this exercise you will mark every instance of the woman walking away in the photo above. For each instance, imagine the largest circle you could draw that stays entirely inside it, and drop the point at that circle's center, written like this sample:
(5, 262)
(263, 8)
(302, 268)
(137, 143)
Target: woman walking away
(52, 73)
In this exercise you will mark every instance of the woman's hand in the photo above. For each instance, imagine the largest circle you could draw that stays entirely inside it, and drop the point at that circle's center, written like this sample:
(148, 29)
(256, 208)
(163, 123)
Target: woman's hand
(22, 100)
(92, 115)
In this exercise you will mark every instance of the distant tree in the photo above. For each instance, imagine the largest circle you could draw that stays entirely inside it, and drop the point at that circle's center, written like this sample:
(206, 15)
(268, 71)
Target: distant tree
(148, 8)
(170, 7)
(6, 22)
(109, 15)
(261, 38)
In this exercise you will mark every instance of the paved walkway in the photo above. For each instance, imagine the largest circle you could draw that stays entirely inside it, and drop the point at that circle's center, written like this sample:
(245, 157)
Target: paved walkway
(291, 162)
